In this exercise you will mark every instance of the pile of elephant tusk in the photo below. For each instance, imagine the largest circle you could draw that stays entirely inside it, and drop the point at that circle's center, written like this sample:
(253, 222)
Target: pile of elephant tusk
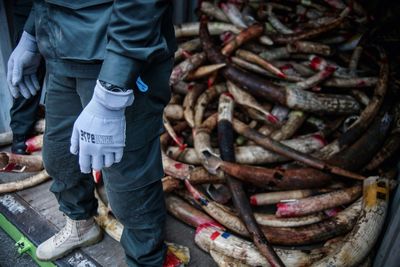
(280, 132)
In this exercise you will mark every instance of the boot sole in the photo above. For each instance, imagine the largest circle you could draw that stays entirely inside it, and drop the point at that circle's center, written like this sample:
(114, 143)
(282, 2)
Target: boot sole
(83, 245)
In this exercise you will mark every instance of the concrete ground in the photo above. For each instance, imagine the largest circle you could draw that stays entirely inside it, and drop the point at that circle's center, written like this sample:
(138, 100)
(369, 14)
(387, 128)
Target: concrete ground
(9, 257)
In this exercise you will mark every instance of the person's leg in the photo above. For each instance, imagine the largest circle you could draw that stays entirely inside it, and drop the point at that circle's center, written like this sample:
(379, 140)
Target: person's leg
(133, 186)
(141, 210)
(73, 189)
(23, 115)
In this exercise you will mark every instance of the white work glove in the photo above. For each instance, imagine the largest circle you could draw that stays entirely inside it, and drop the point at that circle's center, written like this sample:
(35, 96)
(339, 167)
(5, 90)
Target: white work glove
(98, 135)
(22, 67)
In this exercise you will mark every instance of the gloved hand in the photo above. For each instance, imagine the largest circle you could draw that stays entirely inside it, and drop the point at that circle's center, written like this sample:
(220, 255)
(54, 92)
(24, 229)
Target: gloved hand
(22, 67)
(99, 132)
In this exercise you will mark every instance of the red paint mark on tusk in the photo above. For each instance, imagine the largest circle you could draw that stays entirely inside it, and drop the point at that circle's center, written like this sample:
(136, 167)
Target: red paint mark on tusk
(30, 147)
(328, 70)
(182, 147)
(9, 167)
(178, 166)
(253, 200)
(281, 205)
(315, 63)
(284, 210)
(210, 82)
(229, 94)
(186, 54)
(226, 37)
(320, 138)
(171, 260)
(33, 144)
(215, 235)
(332, 212)
(223, 6)
(286, 67)
(361, 84)
(208, 224)
(281, 75)
(272, 119)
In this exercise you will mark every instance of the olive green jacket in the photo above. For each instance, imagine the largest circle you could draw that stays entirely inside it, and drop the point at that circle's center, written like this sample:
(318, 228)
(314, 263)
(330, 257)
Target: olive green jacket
(109, 40)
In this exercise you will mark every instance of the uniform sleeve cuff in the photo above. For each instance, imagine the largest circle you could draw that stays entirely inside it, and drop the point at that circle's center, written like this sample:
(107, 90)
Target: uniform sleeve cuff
(29, 26)
(120, 70)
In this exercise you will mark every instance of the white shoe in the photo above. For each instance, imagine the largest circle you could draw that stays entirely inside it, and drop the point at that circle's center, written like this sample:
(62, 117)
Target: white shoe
(74, 234)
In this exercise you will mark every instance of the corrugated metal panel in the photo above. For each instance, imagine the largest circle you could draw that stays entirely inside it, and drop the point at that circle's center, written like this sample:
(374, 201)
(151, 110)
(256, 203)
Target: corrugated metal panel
(5, 50)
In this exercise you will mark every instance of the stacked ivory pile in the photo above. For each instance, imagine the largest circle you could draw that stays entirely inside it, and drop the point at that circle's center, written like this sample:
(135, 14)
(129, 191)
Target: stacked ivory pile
(280, 104)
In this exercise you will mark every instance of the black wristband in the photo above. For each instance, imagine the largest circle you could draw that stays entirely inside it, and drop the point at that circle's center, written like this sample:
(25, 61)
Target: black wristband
(112, 88)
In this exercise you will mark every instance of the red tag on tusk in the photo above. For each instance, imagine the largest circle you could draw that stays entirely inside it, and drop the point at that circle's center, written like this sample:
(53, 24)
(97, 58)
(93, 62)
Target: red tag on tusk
(253, 200)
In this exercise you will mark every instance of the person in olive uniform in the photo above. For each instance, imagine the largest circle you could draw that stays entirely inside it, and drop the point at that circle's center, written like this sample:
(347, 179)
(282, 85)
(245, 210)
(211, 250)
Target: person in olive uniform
(23, 112)
(108, 65)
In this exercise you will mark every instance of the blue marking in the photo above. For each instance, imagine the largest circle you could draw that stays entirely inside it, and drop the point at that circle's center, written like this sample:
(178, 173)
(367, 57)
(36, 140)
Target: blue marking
(225, 235)
(141, 85)
(203, 201)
